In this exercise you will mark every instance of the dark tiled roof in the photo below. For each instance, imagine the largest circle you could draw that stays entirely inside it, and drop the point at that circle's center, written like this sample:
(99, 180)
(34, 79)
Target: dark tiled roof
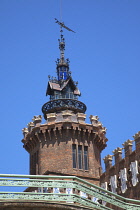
(56, 86)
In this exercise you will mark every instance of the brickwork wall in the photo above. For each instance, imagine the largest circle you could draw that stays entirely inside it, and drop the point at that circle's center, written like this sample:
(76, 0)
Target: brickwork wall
(50, 148)
(130, 156)
(57, 157)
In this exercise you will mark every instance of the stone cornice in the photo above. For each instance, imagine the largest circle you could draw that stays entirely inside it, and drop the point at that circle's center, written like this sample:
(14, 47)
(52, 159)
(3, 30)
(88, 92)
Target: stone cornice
(45, 131)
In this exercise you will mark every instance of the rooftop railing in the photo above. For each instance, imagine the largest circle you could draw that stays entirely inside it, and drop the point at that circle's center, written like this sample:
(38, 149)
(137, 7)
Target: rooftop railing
(64, 190)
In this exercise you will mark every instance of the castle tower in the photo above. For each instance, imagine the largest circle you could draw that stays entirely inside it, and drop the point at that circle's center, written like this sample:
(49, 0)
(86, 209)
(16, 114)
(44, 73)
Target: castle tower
(65, 144)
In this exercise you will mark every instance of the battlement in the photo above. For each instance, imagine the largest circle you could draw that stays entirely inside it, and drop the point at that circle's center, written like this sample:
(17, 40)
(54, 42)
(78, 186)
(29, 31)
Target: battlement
(123, 177)
(56, 121)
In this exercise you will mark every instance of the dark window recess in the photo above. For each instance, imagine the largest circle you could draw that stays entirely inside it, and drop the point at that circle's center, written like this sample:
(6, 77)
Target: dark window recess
(31, 164)
(74, 155)
(80, 159)
(37, 157)
(37, 168)
(85, 158)
(34, 164)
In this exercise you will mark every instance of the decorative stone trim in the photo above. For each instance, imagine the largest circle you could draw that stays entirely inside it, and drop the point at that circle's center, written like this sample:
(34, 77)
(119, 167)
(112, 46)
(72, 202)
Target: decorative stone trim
(128, 146)
(67, 113)
(128, 143)
(30, 126)
(37, 120)
(108, 161)
(117, 151)
(137, 135)
(108, 158)
(51, 117)
(25, 131)
(93, 119)
(137, 138)
(81, 117)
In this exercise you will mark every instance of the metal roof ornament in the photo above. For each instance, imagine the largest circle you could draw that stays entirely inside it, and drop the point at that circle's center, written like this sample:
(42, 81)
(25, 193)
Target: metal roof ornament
(62, 42)
(62, 25)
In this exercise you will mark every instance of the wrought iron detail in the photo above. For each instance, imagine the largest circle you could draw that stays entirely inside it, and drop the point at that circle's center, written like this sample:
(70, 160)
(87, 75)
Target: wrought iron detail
(36, 183)
(62, 104)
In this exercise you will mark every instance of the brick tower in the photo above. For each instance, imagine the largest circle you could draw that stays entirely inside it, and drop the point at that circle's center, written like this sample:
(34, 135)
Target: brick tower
(65, 144)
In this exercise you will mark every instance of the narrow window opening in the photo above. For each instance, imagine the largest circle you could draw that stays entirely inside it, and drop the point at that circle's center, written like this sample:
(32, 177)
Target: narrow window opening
(31, 164)
(74, 155)
(85, 158)
(34, 163)
(80, 157)
(37, 168)
(80, 161)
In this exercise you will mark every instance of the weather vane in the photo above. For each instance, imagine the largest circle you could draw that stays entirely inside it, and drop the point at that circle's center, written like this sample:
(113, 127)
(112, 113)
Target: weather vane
(62, 25)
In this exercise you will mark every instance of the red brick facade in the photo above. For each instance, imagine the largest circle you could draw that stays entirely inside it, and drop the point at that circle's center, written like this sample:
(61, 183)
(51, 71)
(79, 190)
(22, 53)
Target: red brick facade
(50, 148)
(133, 189)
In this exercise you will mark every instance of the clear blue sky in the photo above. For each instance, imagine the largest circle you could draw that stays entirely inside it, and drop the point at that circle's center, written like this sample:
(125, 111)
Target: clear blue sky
(105, 59)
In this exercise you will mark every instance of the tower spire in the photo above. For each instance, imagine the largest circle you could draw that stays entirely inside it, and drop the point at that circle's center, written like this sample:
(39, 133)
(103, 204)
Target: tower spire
(63, 90)
(62, 63)
(61, 46)
(62, 40)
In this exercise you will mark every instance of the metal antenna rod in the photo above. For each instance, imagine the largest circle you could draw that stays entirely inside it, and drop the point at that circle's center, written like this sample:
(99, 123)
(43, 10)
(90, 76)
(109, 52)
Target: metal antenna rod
(61, 10)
